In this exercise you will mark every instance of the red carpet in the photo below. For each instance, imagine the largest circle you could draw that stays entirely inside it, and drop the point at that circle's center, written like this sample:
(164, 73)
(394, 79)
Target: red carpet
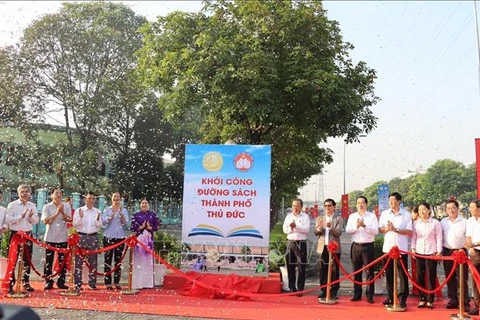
(169, 302)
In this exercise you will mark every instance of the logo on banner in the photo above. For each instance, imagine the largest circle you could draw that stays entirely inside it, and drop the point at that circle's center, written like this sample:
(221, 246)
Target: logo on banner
(212, 161)
(243, 162)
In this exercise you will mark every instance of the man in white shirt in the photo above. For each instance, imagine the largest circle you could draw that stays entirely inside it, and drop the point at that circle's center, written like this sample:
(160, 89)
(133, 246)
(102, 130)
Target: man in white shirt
(363, 225)
(296, 226)
(473, 245)
(453, 230)
(3, 213)
(21, 216)
(87, 221)
(55, 215)
(396, 224)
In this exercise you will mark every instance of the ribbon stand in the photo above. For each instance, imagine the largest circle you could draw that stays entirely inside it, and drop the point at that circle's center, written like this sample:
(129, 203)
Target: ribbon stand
(18, 285)
(129, 290)
(328, 299)
(395, 307)
(71, 281)
(462, 298)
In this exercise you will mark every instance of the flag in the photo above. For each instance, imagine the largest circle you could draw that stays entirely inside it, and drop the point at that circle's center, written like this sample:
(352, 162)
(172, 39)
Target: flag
(345, 206)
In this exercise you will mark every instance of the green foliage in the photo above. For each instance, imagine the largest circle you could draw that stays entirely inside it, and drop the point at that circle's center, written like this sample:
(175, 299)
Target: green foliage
(444, 179)
(5, 243)
(169, 248)
(264, 72)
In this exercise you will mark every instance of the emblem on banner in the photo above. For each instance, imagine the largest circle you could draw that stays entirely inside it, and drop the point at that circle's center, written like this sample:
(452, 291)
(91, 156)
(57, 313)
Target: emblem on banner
(212, 161)
(243, 162)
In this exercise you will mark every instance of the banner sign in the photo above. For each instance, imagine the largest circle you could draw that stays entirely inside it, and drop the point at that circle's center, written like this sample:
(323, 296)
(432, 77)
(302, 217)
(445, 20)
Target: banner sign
(226, 208)
(383, 192)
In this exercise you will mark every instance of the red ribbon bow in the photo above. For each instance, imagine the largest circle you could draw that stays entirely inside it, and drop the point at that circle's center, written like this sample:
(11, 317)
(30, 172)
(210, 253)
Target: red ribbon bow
(394, 252)
(131, 242)
(332, 247)
(73, 240)
(460, 257)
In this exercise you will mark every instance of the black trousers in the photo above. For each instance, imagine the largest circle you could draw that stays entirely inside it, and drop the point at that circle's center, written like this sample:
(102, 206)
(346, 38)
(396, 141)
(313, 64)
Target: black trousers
(403, 283)
(323, 272)
(362, 254)
(428, 267)
(296, 258)
(116, 254)
(26, 264)
(49, 255)
(453, 285)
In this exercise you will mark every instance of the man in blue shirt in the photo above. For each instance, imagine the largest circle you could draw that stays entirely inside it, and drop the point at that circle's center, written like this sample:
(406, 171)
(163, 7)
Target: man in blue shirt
(114, 218)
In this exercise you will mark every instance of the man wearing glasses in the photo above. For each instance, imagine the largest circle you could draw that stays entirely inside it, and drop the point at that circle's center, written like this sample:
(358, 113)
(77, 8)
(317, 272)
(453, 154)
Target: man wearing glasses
(328, 228)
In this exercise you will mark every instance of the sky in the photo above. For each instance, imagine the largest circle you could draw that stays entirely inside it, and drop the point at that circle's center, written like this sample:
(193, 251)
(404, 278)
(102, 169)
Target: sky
(426, 58)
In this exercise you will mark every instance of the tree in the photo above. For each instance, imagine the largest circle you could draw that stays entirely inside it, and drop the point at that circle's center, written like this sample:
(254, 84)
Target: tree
(264, 72)
(352, 198)
(371, 192)
(80, 58)
(18, 105)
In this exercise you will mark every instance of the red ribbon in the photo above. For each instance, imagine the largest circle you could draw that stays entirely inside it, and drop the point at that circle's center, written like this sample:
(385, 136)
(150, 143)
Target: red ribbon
(460, 257)
(332, 247)
(394, 252)
(131, 241)
(73, 239)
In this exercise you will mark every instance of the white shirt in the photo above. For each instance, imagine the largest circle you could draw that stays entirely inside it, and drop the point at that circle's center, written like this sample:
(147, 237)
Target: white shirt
(454, 232)
(427, 236)
(361, 234)
(15, 210)
(302, 222)
(473, 229)
(56, 231)
(3, 213)
(401, 220)
(89, 223)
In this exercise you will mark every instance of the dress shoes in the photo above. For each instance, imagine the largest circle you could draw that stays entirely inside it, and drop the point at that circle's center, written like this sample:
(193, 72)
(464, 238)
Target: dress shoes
(452, 305)
(48, 286)
(109, 287)
(403, 305)
(387, 301)
(473, 312)
(322, 296)
(356, 298)
(118, 287)
(370, 300)
(62, 286)
(28, 287)
(429, 305)
(92, 286)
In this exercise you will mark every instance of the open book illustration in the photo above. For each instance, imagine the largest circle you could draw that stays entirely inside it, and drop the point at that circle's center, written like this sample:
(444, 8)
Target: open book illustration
(209, 230)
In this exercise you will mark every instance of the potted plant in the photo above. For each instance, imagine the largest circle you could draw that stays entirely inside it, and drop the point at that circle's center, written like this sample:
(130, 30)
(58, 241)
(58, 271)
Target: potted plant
(378, 246)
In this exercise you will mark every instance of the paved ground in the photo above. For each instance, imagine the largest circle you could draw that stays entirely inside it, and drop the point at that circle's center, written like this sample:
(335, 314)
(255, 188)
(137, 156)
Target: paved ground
(346, 288)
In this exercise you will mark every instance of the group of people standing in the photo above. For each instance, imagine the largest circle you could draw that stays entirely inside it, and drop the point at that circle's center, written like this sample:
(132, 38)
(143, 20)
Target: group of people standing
(417, 232)
(58, 216)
